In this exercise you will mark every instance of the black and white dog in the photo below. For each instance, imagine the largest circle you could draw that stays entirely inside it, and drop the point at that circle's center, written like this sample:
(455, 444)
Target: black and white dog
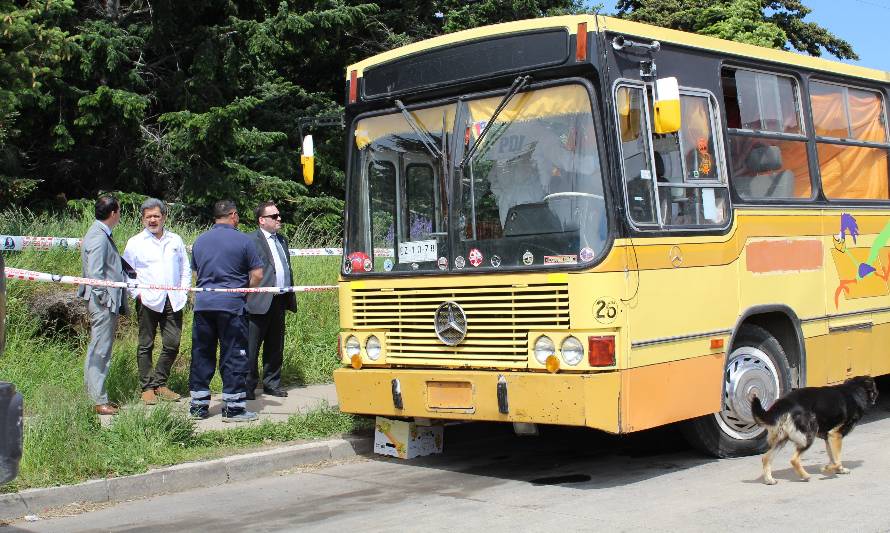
(800, 416)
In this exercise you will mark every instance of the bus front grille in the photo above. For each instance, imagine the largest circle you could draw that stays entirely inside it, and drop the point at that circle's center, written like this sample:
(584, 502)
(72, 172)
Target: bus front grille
(499, 319)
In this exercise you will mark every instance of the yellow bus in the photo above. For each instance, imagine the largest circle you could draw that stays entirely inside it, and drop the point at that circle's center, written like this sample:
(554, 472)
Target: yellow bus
(592, 222)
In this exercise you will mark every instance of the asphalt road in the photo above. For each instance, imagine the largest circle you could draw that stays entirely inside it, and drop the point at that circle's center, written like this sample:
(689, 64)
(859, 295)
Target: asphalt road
(569, 479)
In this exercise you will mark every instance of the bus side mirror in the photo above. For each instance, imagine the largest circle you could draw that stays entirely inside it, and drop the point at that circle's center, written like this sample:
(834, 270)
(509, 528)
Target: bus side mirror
(667, 106)
(308, 160)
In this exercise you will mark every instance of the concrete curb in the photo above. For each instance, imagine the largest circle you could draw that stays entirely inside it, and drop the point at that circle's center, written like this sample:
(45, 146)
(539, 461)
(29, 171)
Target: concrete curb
(181, 477)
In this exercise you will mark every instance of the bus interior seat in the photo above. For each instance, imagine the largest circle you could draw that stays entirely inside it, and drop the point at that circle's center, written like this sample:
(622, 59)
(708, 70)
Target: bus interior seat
(765, 176)
(531, 219)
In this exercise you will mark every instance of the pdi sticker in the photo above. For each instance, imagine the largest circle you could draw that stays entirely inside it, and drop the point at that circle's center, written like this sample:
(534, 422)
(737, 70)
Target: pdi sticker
(387, 265)
(605, 309)
(528, 258)
(460, 262)
(475, 257)
(443, 263)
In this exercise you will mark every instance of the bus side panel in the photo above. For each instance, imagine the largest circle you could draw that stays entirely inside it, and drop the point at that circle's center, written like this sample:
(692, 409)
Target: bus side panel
(857, 265)
(660, 394)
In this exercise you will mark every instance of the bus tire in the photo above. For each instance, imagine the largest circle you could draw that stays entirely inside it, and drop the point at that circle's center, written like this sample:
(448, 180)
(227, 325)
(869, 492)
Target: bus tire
(757, 365)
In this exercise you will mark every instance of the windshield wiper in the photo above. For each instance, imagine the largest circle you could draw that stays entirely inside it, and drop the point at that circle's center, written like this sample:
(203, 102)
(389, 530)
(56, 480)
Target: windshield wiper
(425, 137)
(517, 86)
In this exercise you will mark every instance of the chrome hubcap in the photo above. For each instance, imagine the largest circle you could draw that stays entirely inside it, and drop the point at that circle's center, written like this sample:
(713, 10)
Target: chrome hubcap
(750, 373)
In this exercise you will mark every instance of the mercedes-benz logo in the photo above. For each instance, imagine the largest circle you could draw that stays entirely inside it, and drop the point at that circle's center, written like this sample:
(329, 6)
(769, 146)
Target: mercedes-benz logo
(676, 256)
(450, 323)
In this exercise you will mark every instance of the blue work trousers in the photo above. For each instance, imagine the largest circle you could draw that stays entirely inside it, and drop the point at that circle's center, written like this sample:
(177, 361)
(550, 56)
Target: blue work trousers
(228, 331)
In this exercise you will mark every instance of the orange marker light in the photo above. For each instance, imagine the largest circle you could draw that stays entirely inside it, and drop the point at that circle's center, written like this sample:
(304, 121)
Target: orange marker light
(552, 364)
(581, 43)
(716, 344)
(356, 361)
(353, 87)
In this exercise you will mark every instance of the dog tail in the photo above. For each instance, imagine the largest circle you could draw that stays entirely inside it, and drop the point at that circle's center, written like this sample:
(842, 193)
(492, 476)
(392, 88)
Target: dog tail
(761, 416)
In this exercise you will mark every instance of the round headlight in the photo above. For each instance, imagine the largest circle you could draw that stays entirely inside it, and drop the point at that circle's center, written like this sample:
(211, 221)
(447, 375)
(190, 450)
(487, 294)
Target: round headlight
(372, 348)
(544, 348)
(572, 351)
(352, 346)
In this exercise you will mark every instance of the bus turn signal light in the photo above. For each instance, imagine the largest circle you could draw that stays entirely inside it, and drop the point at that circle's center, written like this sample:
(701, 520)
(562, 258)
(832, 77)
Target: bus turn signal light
(716, 344)
(356, 361)
(553, 364)
(601, 351)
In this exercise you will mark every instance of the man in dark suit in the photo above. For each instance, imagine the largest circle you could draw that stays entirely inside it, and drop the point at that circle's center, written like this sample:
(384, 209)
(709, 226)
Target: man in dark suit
(266, 310)
(101, 260)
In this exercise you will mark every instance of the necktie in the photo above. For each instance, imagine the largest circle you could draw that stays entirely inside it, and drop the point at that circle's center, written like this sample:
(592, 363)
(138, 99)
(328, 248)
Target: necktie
(281, 254)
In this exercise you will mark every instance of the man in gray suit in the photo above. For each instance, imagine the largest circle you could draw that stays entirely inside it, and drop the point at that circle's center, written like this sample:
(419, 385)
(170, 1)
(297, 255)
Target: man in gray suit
(101, 260)
(266, 310)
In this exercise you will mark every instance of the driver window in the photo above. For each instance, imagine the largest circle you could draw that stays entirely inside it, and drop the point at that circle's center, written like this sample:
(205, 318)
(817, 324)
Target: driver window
(670, 179)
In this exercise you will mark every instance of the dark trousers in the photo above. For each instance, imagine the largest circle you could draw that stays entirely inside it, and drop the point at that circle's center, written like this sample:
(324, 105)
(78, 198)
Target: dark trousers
(170, 321)
(266, 330)
(229, 331)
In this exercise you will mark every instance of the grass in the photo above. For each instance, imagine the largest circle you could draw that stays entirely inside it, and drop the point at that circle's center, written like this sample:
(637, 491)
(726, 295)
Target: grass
(64, 442)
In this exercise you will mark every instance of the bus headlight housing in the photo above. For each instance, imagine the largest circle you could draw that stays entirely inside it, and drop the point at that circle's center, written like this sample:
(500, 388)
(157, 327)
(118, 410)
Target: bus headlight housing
(572, 351)
(544, 348)
(372, 348)
(352, 346)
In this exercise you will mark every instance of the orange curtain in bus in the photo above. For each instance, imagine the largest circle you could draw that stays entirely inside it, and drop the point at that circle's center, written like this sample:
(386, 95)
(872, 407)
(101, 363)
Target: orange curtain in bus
(853, 171)
(850, 171)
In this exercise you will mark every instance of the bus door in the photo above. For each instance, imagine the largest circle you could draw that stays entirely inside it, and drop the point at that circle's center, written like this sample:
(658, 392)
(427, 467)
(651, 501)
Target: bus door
(676, 188)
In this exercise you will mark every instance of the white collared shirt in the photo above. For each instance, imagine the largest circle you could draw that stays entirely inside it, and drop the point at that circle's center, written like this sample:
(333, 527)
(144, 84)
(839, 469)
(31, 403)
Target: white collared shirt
(159, 262)
(272, 241)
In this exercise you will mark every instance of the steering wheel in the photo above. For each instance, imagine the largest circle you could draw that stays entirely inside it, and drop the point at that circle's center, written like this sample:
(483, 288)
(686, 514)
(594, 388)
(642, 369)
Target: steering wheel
(571, 194)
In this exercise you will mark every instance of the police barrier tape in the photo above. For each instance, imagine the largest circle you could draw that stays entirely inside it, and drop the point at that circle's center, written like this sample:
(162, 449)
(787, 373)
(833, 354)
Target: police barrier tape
(17, 243)
(30, 275)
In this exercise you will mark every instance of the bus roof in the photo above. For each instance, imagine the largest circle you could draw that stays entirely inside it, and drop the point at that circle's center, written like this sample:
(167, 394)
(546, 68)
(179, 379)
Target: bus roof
(637, 29)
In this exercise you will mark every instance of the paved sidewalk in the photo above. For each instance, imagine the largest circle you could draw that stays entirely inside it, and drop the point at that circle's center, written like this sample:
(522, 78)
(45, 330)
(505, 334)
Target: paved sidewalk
(271, 408)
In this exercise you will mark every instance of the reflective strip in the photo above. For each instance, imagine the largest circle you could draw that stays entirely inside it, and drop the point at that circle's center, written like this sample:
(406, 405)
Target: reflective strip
(237, 396)
(200, 402)
(236, 405)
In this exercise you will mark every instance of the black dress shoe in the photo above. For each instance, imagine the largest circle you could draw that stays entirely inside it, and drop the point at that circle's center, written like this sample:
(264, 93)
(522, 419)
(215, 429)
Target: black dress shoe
(250, 395)
(281, 393)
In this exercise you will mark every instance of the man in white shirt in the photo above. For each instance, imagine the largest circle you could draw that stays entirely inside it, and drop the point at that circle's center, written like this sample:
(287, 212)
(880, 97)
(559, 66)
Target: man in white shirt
(265, 309)
(158, 255)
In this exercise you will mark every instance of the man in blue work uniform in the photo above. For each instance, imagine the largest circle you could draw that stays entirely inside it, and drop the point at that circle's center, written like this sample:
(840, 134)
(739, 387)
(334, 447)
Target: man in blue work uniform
(223, 258)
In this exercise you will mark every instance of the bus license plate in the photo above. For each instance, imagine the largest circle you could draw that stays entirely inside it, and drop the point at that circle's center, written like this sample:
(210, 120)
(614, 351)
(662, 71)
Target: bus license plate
(449, 395)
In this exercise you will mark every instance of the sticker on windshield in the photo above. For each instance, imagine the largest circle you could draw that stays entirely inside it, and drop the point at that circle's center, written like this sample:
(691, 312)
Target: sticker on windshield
(368, 264)
(443, 263)
(414, 266)
(528, 258)
(347, 267)
(459, 261)
(560, 259)
(587, 254)
(496, 261)
(475, 257)
(387, 265)
(418, 251)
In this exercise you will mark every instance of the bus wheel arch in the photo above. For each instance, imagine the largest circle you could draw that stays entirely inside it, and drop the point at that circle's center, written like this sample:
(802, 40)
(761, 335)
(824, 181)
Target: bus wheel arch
(758, 363)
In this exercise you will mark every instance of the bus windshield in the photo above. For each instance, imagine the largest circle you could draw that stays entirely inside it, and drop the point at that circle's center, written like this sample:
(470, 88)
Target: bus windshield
(531, 195)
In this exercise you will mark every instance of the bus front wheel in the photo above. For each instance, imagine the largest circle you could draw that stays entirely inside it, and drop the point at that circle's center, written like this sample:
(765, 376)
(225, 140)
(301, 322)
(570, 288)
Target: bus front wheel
(757, 366)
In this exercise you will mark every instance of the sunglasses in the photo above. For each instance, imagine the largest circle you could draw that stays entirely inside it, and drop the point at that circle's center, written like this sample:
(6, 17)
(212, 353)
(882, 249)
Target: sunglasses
(276, 216)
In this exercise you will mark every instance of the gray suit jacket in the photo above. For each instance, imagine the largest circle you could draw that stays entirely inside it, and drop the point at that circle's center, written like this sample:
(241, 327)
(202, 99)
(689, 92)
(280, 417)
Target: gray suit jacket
(100, 260)
(258, 302)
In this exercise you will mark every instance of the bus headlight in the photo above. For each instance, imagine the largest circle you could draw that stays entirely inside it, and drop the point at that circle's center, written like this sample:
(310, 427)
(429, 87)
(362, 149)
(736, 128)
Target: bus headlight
(544, 348)
(372, 348)
(572, 351)
(352, 346)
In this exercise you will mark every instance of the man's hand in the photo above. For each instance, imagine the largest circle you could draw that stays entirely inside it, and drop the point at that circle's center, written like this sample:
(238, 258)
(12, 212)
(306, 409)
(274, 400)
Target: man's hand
(256, 276)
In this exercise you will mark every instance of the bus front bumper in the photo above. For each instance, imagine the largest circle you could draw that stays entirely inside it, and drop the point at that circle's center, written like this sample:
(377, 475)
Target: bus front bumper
(617, 401)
